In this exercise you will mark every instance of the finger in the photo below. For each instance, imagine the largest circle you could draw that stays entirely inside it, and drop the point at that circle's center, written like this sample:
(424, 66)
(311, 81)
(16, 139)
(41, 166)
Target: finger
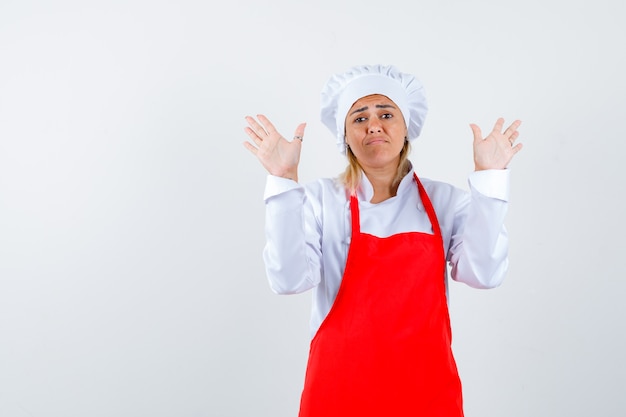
(256, 127)
(251, 148)
(498, 126)
(477, 133)
(269, 127)
(299, 133)
(253, 136)
(513, 128)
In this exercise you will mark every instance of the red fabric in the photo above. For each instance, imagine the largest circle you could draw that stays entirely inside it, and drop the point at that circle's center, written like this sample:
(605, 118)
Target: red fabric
(385, 347)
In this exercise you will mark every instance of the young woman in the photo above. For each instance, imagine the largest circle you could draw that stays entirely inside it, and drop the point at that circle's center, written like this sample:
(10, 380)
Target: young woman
(373, 244)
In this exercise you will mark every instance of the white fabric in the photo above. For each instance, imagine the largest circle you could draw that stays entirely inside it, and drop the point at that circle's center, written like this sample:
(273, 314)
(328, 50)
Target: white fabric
(342, 90)
(367, 85)
(304, 222)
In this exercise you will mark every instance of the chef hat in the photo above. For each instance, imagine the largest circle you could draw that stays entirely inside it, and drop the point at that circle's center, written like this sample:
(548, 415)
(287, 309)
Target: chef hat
(343, 90)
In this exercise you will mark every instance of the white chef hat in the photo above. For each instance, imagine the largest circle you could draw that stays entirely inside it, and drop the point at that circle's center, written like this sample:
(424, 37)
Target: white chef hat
(342, 90)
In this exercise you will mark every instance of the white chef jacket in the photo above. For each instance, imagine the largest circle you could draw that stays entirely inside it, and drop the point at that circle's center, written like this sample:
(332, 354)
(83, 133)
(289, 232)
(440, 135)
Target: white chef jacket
(308, 230)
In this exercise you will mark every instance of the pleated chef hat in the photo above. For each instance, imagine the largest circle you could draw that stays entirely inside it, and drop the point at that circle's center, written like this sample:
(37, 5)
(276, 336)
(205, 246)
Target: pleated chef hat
(342, 90)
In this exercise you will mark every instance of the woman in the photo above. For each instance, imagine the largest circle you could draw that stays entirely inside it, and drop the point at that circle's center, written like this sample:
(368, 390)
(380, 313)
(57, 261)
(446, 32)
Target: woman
(373, 246)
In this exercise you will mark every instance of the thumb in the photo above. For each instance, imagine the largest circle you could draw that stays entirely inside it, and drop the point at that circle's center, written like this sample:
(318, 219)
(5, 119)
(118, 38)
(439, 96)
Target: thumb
(476, 131)
(299, 133)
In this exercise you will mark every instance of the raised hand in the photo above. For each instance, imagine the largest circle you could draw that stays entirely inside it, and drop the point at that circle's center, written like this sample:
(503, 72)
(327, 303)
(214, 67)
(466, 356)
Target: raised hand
(279, 156)
(497, 149)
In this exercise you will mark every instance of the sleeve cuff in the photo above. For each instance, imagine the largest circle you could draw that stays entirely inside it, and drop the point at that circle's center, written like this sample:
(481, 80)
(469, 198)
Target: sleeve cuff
(492, 183)
(278, 185)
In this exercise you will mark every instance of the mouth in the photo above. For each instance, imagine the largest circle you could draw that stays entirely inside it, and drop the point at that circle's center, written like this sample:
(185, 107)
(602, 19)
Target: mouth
(375, 141)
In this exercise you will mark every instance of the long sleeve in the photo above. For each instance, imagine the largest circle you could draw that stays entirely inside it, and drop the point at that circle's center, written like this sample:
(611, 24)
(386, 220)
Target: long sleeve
(292, 253)
(478, 250)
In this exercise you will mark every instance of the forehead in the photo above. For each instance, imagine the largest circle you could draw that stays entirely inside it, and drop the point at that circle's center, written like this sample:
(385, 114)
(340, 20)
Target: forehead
(372, 100)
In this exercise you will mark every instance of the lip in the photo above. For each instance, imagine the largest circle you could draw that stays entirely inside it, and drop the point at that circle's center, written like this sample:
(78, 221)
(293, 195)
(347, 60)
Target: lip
(375, 141)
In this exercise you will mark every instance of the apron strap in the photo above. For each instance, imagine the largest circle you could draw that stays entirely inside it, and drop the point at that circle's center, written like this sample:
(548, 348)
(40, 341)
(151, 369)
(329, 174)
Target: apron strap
(354, 211)
(428, 206)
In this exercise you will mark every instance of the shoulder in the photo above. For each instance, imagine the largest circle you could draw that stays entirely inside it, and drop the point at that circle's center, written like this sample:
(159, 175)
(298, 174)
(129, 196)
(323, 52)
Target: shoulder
(326, 192)
(325, 186)
(440, 187)
(443, 193)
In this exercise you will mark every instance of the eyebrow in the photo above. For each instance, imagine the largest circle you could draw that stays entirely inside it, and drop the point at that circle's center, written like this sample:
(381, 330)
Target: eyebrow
(378, 106)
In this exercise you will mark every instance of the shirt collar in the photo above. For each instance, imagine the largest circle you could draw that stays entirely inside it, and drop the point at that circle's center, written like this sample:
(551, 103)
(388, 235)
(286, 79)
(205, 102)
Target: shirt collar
(365, 191)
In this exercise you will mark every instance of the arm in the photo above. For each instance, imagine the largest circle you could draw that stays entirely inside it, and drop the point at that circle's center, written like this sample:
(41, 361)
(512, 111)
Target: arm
(292, 253)
(479, 245)
(479, 241)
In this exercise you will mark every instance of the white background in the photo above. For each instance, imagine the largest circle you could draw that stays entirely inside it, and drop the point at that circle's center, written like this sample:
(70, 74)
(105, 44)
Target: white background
(131, 216)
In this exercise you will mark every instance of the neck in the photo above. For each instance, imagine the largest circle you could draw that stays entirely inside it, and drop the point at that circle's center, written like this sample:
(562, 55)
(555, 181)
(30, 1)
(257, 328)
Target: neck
(382, 184)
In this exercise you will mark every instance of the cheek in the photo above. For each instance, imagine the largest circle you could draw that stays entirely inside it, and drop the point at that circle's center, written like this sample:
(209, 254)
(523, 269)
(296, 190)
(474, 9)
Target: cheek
(353, 143)
(349, 141)
(350, 134)
(401, 132)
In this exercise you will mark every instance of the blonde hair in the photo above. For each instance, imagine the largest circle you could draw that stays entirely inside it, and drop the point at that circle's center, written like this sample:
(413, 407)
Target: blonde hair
(351, 177)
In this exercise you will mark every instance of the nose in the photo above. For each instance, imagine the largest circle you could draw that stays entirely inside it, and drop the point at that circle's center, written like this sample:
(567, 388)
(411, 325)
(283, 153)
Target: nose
(374, 126)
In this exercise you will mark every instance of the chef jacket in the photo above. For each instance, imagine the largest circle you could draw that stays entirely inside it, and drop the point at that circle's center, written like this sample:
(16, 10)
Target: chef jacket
(308, 230)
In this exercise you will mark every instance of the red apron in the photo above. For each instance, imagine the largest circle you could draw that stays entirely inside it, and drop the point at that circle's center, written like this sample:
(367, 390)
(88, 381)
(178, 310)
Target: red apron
(385, 347)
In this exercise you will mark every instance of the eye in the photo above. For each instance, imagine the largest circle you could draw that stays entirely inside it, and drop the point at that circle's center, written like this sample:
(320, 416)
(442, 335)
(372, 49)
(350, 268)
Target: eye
(360, 119)
(386, 116)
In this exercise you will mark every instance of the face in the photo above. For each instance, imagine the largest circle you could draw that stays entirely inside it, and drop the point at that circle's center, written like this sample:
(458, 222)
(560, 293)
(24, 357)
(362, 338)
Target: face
(375, 132)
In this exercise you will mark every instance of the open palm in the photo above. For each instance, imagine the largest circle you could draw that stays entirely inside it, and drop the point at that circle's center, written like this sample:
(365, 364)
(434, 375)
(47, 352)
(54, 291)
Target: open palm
(497, 149)
(279, 156)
